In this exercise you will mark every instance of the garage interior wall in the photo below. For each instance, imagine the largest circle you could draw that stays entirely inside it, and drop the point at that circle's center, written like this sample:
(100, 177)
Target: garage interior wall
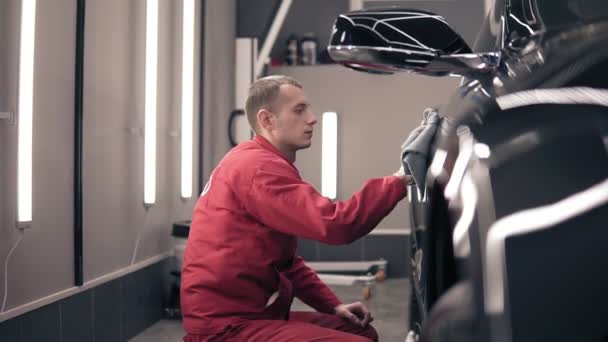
(113, 135)
(41, 268)
(43, 262)
(42, 265)
(220, 26)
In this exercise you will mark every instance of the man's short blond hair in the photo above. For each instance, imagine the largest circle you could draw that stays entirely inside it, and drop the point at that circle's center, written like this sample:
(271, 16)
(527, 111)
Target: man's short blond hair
(262, 95)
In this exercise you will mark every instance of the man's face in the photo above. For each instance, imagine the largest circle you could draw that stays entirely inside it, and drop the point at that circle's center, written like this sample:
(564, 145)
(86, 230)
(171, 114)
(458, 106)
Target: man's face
(293, 120)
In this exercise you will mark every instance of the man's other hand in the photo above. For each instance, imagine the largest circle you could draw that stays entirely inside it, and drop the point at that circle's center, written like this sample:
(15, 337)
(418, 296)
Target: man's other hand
(357, 313)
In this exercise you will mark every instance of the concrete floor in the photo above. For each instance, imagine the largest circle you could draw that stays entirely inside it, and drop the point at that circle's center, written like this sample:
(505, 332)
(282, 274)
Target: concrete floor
(388, 306)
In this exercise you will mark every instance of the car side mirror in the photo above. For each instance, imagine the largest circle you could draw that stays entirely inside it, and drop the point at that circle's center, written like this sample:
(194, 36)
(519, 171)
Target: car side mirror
(392, 40)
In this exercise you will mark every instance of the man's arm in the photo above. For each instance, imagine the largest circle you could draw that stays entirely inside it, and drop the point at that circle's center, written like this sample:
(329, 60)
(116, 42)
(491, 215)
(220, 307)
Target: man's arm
(310, 289)
(281, 200)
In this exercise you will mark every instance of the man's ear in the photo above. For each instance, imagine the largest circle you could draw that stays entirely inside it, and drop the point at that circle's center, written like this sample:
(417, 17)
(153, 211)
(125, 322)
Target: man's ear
(265, 119)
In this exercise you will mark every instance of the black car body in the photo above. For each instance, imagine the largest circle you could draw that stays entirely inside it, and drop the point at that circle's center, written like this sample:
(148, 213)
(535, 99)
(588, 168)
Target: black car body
(509, 237)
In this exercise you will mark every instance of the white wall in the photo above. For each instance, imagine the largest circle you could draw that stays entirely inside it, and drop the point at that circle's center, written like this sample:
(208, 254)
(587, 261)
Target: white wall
(220, 32)
(113, 135)
(43, 263)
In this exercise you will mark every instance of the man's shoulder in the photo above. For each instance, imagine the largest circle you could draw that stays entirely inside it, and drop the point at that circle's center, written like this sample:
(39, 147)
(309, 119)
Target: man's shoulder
(248, 157)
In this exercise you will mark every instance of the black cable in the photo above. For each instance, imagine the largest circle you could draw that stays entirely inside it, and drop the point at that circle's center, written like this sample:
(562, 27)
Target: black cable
(233, 116)
(78, 131)
(201, 92)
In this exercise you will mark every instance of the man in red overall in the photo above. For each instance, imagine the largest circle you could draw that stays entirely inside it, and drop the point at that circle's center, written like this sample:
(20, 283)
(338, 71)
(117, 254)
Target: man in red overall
(241, 270)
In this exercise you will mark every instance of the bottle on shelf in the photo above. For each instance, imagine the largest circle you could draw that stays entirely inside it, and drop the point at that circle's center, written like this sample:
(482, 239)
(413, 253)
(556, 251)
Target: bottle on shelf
(292, 55)
(308, 47)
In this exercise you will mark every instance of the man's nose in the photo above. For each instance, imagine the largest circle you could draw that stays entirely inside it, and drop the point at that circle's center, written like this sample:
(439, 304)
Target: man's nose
(313, 118)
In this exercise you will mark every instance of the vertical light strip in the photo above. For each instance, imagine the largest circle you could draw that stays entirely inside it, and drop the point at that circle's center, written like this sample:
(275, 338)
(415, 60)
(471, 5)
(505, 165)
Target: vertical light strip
(187, 97)
(25, 103)
(150, 102)
(329, 154)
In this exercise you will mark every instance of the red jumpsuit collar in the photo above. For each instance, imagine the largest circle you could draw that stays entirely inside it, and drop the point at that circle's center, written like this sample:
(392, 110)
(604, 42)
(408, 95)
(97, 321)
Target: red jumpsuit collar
(267, 145)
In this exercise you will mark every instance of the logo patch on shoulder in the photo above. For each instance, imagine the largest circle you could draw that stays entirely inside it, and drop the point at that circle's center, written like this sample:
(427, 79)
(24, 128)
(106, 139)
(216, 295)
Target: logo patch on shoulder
(207, 186)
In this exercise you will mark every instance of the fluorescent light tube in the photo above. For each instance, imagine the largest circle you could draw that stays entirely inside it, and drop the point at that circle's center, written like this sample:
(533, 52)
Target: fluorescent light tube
(187, 98)
(25, 120)
(150, 102)
(329, 155)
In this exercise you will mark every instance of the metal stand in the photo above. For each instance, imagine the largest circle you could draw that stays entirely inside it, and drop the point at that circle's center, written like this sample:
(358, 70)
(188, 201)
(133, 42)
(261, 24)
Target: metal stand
(337, 273)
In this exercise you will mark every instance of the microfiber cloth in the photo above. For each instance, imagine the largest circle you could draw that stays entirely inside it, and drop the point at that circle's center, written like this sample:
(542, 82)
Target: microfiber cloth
(416, 148)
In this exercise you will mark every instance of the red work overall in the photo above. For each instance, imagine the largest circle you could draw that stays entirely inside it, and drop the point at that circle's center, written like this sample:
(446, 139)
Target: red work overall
(242, 249)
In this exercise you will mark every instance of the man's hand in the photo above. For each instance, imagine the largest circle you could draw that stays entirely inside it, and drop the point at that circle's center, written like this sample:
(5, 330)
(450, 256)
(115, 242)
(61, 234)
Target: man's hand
(407, 179)
(357, 313)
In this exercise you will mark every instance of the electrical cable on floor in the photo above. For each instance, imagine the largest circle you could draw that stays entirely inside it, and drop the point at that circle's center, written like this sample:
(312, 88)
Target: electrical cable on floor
(8, 256)
(139, 236)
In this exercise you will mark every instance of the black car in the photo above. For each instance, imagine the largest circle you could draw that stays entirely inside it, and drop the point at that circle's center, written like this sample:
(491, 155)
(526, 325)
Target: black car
(510, 239)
